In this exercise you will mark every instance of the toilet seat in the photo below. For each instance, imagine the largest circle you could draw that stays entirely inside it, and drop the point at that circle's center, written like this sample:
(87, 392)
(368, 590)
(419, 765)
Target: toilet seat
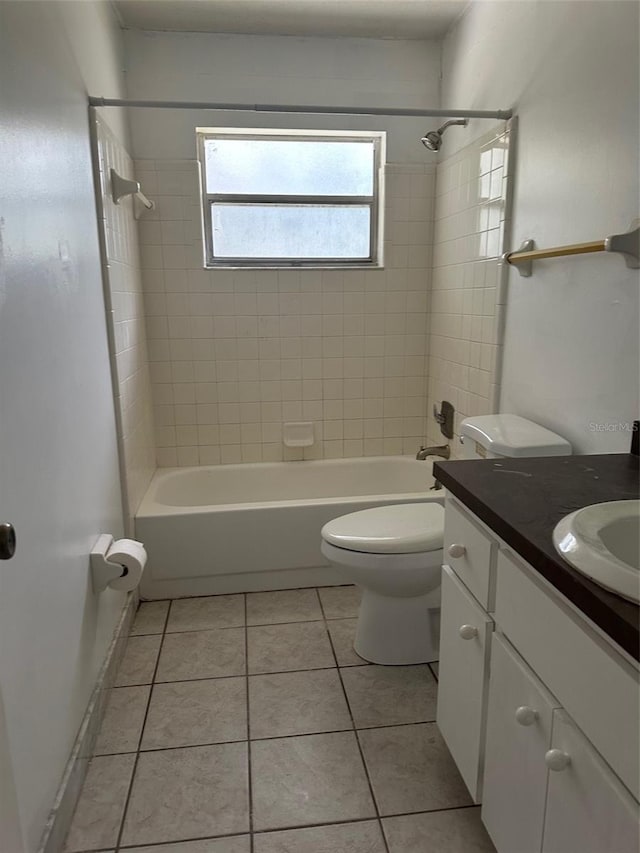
(413, 528)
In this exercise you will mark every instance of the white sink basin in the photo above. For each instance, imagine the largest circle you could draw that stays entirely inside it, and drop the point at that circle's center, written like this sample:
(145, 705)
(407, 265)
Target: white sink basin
(603, 542)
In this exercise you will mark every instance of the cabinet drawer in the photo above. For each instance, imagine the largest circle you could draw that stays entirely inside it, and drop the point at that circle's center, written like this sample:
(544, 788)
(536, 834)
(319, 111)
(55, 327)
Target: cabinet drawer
(588, 810)
(465, 634)
(596, 686)
(470, 552)
(519, 719)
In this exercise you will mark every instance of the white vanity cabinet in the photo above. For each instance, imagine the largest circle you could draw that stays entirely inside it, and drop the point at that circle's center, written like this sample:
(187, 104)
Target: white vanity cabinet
(541, 712)
(519, 721)
(588, 810)
(462, 687)
(465, 641)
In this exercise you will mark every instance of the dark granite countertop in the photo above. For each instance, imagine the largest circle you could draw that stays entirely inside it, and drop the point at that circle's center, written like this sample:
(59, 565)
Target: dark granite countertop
(523, 499)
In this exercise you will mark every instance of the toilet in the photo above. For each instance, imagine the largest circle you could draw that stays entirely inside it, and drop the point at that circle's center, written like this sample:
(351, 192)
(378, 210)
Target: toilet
(394, 553)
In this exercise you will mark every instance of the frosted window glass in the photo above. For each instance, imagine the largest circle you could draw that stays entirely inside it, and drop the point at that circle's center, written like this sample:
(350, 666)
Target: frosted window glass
(290, 231)
(283, 167)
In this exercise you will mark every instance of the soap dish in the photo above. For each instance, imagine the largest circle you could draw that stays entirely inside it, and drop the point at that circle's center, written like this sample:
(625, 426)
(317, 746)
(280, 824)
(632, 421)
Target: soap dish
(298, 434)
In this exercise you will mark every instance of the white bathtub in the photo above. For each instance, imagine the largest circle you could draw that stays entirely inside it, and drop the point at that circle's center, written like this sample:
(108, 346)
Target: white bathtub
(237, 528)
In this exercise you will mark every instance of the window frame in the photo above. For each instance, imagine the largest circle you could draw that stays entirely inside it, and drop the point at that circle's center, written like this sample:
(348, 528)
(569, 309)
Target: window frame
(375, 202)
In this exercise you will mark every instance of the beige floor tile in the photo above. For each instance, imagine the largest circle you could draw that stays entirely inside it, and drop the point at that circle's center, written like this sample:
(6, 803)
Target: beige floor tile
(343, 632)
(309, 779)
(188, 713)
(340, 602)
(96, 821)
(150, 618)
(411, 769)
(123, 720)
(296, 703)
(390, 695)
(280, 648)
(236, 844)
(201, 614)
(202, 654)
(139, 661)
(451, 831)
(288, 605)
(180, 794)
(362, 837)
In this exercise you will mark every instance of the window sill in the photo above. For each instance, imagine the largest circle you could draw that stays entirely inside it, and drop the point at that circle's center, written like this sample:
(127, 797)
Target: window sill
(296, 267)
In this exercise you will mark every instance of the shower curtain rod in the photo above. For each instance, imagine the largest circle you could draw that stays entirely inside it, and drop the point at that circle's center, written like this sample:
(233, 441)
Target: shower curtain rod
(284, 108)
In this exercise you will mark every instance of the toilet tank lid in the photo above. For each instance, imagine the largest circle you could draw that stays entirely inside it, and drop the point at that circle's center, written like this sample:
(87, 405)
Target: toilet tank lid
(511, 435)
(396, 529)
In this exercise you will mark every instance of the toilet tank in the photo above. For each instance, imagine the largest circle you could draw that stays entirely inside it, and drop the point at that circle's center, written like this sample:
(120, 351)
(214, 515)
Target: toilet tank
(499, 436)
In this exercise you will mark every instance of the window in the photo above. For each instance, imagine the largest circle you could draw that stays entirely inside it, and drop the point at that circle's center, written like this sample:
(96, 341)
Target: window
(291, 198)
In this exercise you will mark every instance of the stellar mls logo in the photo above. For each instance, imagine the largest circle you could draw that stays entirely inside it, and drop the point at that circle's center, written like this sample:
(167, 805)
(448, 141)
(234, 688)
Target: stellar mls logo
(623, 426)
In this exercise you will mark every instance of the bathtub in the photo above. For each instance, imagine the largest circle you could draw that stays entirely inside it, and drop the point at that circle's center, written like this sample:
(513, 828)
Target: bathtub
(251, 527)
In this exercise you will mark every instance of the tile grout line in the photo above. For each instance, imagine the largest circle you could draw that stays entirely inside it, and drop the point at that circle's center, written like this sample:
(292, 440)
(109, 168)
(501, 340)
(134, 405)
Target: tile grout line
(355, 731)
(249, 778)
(346, 821)
(248, 625)
(239, 674)
(144, 723)
(269, 737)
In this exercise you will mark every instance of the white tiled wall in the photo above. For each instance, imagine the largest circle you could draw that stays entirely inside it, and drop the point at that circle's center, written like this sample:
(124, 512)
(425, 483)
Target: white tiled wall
(133, 400)
(236, 353)
(468, 287)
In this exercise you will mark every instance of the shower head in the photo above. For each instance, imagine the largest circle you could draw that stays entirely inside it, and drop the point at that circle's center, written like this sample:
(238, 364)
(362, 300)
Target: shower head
(433, 139)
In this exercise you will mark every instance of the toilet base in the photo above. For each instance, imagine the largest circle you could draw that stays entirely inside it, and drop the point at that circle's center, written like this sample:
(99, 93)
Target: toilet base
(394, 631)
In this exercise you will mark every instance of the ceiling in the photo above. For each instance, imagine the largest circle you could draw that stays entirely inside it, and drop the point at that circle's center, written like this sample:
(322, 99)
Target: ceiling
(414, 19)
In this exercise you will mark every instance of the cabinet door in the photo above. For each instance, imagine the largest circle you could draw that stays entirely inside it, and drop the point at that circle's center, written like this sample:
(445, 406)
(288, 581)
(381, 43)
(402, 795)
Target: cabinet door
(588, 808)
(465, 632)
(519, 717)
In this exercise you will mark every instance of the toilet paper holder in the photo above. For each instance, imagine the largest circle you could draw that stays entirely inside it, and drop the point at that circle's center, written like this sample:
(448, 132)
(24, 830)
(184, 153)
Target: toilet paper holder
(103, 571)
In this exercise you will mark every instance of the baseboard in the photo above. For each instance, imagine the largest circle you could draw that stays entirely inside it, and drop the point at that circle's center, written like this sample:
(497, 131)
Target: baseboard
(245, 582)
(64, 805)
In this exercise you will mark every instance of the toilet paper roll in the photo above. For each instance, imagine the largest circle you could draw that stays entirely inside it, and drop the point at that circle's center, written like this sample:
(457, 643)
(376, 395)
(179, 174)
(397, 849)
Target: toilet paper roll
(132, 556)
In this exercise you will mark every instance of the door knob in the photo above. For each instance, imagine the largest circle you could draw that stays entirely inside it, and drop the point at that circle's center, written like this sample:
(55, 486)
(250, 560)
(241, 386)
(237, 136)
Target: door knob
(456, 551)
(526, 716)
(7, 541)
(556, 759)
(468, 632)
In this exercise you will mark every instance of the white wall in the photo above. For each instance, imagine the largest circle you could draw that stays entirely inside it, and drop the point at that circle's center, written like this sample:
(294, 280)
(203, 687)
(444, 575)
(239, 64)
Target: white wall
(277, 70)
(234, 354)
(124, 286)
(471, 218)
(97, 48)
(571, 71)
(58, 466)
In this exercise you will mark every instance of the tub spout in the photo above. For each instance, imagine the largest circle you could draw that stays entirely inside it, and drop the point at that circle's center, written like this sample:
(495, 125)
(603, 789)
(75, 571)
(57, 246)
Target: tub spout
(443, 450)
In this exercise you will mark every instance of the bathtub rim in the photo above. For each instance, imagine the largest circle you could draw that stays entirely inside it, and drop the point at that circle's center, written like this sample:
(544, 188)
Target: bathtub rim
(151, 508)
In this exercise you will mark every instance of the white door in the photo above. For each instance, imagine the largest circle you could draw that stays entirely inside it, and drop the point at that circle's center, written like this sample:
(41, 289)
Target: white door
(518, 735)
(588, 808)
(465, 632)
(59, 482)
(10, 834)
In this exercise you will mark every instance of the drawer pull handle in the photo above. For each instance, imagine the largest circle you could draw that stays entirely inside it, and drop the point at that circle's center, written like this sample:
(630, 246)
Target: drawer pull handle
(468, 632)
(526, 716)
(556, 759)
(456, 551)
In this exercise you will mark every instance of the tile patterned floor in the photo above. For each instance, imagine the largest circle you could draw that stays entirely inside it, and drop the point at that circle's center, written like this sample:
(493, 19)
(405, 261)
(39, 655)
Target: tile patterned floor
(248, 724)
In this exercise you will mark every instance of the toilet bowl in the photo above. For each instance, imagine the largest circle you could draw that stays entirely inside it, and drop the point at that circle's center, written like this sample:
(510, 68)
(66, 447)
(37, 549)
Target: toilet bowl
(394, 554)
